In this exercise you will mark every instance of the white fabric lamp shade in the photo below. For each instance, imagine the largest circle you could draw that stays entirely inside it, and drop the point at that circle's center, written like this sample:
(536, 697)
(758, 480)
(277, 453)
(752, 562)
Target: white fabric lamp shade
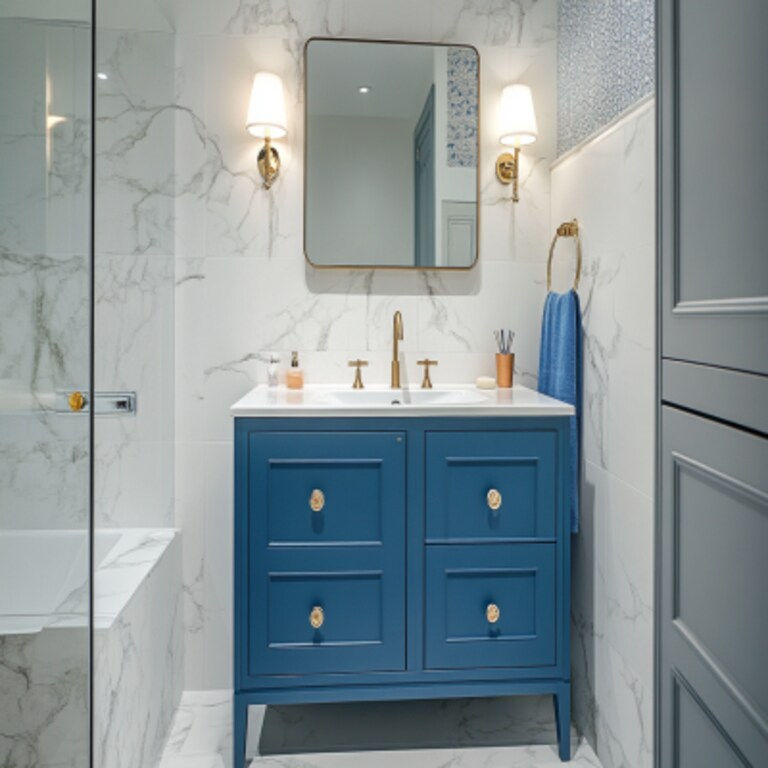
(266, 111)
(518, 119)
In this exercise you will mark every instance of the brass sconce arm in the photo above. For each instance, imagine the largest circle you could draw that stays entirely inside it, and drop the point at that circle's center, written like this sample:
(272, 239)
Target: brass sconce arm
(269, 163)
(507, 171)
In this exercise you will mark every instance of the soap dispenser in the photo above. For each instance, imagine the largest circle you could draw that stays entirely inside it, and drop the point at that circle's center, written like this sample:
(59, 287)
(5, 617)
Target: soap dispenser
(294, 379)
(273, 371)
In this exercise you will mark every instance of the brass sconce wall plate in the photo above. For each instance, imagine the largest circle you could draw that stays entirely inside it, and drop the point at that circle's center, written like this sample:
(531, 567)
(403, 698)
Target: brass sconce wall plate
(269, 163)
(507, 168)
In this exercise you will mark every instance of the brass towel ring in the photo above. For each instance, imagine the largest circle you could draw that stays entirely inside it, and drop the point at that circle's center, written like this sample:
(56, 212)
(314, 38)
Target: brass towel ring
(566, 229)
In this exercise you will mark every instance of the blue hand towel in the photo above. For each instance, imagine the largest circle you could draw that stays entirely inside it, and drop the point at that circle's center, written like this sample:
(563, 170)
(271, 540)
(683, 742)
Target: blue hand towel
(560, 373)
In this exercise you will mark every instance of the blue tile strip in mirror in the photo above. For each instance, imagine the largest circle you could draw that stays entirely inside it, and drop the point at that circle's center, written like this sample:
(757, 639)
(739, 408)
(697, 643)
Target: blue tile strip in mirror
(462, 108)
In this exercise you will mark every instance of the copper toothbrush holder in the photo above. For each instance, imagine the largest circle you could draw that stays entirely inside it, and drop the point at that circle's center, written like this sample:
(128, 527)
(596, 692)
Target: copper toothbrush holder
(505, 369)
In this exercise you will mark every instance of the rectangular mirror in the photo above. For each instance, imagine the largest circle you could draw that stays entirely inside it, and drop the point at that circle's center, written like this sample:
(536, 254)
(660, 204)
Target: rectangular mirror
(391, 155)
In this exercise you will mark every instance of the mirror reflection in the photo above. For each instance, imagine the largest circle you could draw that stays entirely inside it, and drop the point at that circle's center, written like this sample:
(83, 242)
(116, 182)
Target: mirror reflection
(391, 154)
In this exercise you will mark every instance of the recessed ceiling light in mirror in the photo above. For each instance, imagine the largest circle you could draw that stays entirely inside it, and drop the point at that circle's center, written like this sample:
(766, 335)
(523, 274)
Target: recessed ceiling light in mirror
(364, 89)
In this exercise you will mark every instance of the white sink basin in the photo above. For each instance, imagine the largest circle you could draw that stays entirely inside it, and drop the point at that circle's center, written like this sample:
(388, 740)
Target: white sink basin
(377, 398)
(334, 400)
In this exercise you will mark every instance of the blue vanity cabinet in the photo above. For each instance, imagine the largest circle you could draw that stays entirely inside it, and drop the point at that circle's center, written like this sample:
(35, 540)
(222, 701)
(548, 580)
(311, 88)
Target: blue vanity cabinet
(400, 558)
(326, 526)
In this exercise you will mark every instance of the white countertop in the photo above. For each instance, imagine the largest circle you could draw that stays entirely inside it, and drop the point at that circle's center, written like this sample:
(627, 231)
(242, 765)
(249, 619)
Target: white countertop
(455, 400)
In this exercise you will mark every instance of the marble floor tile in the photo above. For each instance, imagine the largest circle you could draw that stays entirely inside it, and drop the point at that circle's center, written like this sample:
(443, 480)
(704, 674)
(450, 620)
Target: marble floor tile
(461, 733)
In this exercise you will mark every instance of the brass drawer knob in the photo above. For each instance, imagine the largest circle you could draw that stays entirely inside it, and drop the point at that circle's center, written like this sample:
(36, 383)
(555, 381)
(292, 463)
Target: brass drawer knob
(317, 617)
(76, 401)
(494, 499)
(492, 613)
(317, 500)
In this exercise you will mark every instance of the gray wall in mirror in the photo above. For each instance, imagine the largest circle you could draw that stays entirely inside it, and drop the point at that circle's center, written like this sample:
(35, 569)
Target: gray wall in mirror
(391, 154)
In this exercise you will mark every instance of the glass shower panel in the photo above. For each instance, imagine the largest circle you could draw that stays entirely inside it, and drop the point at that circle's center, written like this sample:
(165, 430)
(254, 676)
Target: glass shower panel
(45, 330)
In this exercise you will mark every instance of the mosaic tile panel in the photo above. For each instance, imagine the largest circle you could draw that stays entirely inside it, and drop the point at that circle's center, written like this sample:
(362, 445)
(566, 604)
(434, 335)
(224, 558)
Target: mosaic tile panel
(461, 143)
(605, 63)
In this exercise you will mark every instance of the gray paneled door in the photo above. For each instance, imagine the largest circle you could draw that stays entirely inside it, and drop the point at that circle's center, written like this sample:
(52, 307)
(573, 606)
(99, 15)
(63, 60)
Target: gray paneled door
(712, 521)
(714, 174)
(714, 563)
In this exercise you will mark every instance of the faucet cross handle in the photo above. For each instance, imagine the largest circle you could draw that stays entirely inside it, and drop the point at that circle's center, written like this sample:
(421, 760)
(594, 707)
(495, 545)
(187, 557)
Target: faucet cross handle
(426, 382)
(358, 383)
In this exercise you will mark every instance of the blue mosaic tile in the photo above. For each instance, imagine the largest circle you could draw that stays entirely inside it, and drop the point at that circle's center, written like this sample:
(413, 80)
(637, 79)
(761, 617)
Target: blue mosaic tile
(461, 141)
(605, 63)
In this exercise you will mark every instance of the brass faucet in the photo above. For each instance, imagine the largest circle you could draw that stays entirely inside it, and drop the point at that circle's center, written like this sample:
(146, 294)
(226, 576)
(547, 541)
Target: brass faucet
(397, 335)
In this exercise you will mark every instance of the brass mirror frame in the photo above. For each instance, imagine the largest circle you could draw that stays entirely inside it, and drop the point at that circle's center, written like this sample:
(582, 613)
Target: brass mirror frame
(368, 267)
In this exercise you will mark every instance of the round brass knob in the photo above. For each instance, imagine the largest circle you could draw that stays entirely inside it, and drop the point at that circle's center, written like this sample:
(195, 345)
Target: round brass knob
(317, 500)
(317, 617)
(494, 499)
(76, 401)
(492, 613)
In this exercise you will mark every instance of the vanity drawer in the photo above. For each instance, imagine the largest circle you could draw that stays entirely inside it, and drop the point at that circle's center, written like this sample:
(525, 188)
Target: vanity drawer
(329, 612)
(490, 606)
(491, 486)
(327, 488)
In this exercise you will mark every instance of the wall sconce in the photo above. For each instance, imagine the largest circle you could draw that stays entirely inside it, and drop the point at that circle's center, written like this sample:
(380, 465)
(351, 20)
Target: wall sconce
(518, 127)
(266, 120)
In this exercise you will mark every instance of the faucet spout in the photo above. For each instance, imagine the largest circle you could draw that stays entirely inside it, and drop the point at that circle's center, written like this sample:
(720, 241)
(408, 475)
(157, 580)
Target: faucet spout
(397, 335)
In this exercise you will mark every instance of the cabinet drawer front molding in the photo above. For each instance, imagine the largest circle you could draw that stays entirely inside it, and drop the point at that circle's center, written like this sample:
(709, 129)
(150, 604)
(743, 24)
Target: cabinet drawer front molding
(493, 487)
(490, 606)
(326, 489)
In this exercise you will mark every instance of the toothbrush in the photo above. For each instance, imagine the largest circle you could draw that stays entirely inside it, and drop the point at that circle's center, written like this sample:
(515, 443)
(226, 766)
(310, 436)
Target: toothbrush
(504, 340)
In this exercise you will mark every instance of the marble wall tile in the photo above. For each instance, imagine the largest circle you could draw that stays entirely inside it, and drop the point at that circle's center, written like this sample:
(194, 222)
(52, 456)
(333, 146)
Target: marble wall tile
(138, 663)
(139, 658)
(136, 16)
(135, 274)
(135, 352)
(44, 700)
(512, 23)
(44, 274)
(45, 210)
(498, 22)
(134, 210)
(243, 289)
(49, 447)
(134, 340)
(609, 185)
(203, 508)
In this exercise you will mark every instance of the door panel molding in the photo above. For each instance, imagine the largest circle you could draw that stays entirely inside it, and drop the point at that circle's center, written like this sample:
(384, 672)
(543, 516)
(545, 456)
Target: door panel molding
(681, 685)
(712, 522)
(730, 485)
(720, 329)
(712, 665)
(750, 305)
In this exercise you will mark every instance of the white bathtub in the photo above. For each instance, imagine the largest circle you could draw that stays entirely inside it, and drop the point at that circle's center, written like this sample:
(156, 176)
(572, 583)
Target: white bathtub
(44, 575)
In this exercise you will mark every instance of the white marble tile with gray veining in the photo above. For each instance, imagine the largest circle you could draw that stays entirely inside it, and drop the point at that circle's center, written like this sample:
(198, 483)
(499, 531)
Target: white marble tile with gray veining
(135, 180)
(608, 185)
(44, 701)
(239, 254)
(513, 23)
(466, 733)
(139, 657)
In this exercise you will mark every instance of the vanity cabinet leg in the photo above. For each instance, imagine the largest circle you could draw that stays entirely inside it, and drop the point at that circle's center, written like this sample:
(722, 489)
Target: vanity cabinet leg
(563, 719)
(239, 731)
